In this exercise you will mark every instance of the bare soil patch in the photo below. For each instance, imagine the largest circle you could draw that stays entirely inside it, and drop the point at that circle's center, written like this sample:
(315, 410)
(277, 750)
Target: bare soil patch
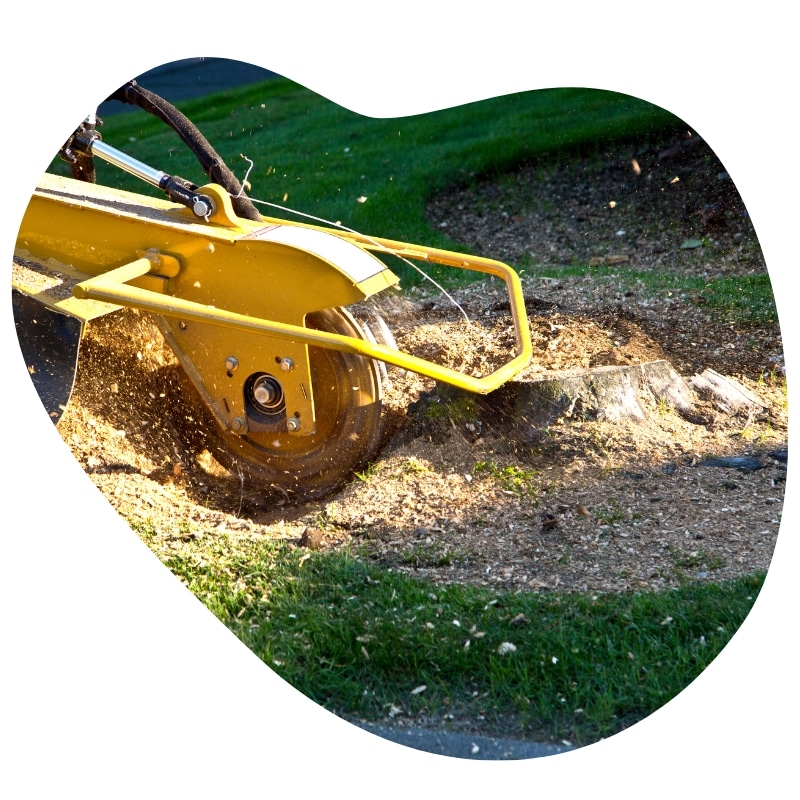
(469, 489)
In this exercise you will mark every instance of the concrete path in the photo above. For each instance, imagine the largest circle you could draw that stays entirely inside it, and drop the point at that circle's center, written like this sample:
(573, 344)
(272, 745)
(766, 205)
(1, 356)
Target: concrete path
(463, 745)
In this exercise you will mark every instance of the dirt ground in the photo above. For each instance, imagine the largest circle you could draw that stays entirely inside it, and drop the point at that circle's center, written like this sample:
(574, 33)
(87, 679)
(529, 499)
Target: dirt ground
(473, 491)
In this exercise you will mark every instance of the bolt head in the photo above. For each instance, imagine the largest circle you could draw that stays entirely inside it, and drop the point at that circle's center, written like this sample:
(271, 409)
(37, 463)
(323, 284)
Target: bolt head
(265, 394)
(287, 365)
(293, 424)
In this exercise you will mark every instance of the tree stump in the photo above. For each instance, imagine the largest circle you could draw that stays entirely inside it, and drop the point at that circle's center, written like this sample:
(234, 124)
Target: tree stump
(603, 393)
(524, 407)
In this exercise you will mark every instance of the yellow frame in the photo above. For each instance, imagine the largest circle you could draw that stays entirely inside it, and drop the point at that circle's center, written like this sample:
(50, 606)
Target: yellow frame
(113, 287)
(256, 277)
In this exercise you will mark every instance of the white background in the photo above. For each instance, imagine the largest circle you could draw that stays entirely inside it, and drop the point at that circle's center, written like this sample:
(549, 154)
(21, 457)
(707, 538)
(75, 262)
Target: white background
(116, 682)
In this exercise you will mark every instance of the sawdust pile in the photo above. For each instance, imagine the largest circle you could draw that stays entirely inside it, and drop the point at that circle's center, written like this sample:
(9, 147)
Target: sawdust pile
(463, 492)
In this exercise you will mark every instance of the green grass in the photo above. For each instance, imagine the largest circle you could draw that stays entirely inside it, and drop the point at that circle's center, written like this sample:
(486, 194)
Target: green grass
(358, 639)
(319, 158)
(511, 478)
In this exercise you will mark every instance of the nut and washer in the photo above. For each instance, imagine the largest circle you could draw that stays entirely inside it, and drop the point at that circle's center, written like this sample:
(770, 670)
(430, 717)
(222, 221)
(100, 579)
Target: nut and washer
(238, 425)
(293, 424)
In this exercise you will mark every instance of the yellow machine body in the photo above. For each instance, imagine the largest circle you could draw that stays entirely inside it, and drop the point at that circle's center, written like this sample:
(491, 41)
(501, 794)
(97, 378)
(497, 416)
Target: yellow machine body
(240, 302)
(246, 282)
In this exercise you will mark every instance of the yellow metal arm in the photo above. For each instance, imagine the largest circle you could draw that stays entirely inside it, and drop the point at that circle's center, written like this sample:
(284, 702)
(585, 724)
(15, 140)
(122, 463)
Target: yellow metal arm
(113, 287)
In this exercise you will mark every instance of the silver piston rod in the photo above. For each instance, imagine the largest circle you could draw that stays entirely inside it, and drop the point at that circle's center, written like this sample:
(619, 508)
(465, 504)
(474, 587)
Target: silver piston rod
(177, 189)
(127, 163)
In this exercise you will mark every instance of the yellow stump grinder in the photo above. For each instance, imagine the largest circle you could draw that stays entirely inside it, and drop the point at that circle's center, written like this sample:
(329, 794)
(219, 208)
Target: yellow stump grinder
(253, 307)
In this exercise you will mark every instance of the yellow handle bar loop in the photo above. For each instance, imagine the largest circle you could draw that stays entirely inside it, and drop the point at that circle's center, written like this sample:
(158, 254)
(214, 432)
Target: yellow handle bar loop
(113, 286)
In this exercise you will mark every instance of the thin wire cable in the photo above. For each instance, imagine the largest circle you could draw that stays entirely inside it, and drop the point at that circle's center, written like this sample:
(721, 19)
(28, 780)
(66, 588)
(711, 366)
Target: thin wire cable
(246, 175)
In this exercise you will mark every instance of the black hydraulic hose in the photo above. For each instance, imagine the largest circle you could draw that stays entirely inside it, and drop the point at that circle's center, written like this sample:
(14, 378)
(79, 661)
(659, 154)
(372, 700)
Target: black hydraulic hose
(212, 163)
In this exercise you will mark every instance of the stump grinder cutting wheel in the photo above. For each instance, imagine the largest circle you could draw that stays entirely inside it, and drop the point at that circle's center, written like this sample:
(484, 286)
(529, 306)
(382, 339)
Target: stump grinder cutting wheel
(286, 381)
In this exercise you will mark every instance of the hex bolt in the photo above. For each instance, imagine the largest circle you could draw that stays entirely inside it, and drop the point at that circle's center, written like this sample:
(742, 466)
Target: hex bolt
(293, 424)
(238, 425)
(287, 365)
(231, 363)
